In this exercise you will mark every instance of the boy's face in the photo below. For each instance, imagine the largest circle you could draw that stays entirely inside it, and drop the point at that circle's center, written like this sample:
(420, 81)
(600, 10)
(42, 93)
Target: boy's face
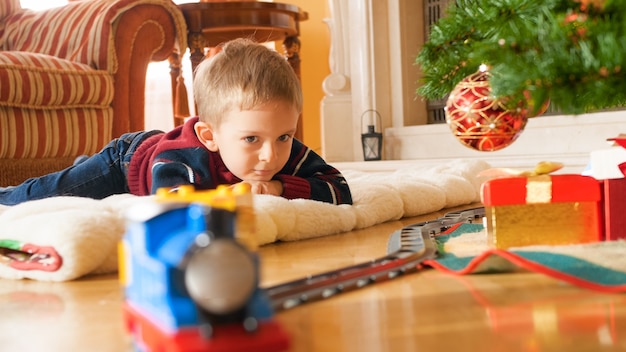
(256, 144)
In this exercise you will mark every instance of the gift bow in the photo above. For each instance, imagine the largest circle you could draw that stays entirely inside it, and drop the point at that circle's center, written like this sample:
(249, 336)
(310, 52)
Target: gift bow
(620, 140)
(542, 168)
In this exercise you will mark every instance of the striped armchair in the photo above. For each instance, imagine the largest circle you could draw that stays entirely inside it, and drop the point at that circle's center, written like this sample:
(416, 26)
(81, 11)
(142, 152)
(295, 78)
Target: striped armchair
(73, 77)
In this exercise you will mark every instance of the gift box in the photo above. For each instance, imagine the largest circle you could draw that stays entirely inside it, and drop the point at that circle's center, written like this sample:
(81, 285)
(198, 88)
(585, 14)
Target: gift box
(542, 210)
(605, 163)
(609, 166)
(614, 199)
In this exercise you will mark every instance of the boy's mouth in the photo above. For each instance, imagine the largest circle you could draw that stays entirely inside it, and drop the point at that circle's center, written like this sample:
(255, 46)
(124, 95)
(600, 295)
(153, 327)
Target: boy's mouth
(264, 173)
(29, 256)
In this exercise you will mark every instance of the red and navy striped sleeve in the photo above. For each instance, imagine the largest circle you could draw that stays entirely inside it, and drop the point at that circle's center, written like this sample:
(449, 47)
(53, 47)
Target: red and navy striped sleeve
(306, 175)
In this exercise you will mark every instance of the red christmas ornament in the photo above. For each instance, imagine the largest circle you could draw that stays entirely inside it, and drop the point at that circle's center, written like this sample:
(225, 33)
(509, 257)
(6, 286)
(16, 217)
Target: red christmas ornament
(479, 120)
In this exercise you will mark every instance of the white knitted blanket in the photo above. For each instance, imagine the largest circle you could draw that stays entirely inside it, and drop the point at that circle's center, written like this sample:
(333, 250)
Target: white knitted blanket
(64, 238)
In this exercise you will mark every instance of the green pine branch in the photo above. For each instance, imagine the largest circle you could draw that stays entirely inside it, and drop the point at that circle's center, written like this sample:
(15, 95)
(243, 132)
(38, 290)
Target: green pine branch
(552, 49)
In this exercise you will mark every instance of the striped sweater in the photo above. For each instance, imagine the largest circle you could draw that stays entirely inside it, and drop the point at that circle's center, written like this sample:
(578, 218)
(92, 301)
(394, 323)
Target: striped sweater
(178, 158)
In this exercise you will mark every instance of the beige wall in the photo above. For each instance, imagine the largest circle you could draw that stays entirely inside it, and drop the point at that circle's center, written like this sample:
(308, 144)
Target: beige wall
(315, 39)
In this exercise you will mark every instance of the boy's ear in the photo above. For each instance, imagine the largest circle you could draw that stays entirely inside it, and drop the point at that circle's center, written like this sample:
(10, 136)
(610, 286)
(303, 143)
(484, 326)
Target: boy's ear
(204, 132)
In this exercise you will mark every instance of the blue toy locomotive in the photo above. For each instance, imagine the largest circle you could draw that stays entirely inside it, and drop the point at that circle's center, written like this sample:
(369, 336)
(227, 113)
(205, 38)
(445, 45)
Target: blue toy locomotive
(190, 273)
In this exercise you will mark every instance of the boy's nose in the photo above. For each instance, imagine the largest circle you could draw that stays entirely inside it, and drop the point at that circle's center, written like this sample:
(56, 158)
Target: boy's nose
(268, 152)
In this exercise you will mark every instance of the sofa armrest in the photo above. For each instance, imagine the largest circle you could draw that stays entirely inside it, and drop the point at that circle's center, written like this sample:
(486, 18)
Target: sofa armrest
(143, 40)
(85, 31)
(118, 36)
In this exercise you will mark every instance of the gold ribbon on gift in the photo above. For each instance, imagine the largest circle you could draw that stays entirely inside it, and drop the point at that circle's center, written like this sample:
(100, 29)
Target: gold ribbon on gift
(539, 189)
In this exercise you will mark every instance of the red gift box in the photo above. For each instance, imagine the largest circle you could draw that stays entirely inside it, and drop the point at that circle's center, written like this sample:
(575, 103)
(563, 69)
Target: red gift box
(609, 166)
(614, 195)
(542, 210)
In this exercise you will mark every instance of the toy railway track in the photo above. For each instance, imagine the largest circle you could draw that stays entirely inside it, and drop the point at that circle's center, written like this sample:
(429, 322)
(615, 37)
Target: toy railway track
(408, 247)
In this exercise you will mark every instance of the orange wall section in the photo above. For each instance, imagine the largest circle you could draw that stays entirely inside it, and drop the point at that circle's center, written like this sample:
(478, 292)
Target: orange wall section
(314, 66)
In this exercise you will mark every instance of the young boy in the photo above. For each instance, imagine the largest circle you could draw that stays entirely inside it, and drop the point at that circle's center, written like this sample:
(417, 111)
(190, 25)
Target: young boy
(249, 101)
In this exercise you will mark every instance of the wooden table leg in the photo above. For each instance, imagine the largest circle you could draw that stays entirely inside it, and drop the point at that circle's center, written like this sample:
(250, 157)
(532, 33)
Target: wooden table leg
(197, 44)
(291, 48)
(180, 104)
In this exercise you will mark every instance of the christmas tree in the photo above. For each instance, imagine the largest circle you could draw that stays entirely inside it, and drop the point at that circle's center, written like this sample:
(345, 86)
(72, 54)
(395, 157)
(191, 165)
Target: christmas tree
(571, 53)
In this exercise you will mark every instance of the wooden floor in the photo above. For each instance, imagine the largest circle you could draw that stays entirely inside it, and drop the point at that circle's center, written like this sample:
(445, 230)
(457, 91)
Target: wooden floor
(425, 311)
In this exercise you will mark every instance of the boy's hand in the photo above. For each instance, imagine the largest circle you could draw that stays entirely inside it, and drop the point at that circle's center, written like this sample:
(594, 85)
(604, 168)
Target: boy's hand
(273, 187)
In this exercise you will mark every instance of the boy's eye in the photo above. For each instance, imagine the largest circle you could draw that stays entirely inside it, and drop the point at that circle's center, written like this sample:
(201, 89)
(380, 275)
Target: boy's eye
(284, 138)
(250, 139)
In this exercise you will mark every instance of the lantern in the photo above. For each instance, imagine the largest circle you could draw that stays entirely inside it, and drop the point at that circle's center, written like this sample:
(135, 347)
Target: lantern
(372, 139)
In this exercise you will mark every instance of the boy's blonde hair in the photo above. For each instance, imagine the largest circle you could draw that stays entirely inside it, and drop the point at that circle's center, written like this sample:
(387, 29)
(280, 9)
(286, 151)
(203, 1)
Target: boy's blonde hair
(243, 75)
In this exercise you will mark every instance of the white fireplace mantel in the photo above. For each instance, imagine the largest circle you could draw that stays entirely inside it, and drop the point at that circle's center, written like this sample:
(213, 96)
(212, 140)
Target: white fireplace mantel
(373, 49)
(371, 61)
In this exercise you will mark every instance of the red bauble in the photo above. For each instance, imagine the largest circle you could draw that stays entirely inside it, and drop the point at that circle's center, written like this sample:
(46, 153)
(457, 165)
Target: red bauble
(479, 120)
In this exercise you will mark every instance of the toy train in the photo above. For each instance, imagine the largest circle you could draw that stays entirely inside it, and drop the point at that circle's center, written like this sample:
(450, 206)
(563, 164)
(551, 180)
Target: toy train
(190, 273)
